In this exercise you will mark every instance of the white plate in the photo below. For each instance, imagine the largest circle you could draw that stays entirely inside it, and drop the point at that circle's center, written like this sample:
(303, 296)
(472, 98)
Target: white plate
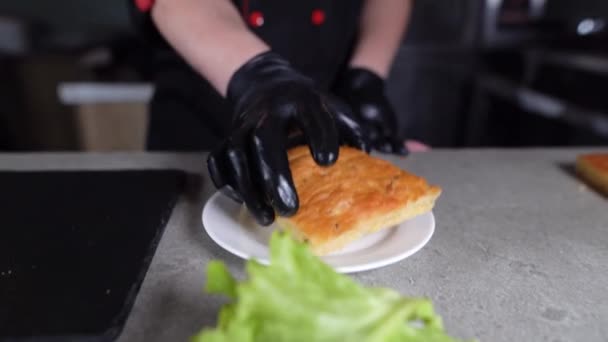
(229, 225)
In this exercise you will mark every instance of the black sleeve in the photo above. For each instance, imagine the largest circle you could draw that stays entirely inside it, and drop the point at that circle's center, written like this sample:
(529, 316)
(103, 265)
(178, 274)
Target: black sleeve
(143, 25)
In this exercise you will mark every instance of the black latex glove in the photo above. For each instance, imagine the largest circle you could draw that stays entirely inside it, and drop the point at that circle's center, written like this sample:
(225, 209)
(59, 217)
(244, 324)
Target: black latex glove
(273, 101)
(363, 90)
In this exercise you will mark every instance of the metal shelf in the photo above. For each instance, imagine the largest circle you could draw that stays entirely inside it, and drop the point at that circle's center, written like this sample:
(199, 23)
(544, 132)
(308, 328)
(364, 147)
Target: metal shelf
(544, 105)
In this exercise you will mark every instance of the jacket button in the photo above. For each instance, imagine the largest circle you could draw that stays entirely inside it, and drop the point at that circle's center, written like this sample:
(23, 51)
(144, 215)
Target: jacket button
(256, 19)
(317, 17)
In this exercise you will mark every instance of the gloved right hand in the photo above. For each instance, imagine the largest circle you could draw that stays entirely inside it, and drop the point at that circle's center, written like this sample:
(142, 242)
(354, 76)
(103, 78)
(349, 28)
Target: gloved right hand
(272, 101)
(363, 90)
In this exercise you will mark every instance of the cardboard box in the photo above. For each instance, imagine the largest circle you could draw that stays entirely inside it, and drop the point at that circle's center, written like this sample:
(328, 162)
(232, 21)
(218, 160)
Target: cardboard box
(111, 126)
(109, 116)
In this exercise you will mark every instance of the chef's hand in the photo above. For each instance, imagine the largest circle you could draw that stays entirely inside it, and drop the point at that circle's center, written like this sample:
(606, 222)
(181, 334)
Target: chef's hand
(363, 90)
(272, 101)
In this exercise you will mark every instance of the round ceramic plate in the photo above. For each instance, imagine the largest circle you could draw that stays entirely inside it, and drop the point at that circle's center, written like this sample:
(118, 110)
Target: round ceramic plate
(231, 227)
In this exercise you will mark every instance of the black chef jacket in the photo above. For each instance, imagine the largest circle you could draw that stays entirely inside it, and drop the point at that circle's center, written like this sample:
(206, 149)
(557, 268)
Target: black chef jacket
(316, 36)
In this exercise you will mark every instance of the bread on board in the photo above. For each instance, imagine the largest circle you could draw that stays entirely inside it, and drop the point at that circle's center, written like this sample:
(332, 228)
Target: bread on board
(593, 168)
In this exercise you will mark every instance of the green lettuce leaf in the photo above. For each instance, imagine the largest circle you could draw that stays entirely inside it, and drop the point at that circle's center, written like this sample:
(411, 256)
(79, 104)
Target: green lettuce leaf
(300, 298)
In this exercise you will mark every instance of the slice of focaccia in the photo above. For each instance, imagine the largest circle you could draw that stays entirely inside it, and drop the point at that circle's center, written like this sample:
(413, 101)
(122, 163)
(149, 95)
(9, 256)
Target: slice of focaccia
(358, 195)
(593, 168)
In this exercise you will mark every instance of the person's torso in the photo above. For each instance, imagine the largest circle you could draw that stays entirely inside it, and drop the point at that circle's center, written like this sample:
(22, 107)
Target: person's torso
(316, 36)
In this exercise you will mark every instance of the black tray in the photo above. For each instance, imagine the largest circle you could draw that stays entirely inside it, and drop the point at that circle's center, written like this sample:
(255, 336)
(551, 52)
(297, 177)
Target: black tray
(75, 247)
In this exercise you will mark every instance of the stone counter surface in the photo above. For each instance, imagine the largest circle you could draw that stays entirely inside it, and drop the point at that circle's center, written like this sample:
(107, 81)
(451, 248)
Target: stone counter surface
(520, 251)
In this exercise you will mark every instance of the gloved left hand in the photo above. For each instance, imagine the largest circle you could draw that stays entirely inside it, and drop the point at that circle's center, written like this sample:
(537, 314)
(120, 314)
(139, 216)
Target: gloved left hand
(363, 91)
(272, 101)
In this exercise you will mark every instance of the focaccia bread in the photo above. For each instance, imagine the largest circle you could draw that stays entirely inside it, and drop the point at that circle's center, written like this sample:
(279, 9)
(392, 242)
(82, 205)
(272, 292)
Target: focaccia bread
(593, 168)
(358, 195)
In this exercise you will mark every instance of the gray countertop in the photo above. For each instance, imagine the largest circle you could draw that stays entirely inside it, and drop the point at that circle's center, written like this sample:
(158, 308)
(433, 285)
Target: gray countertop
(520, 252)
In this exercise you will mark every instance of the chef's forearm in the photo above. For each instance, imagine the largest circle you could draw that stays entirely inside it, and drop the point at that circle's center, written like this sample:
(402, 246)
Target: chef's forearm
(382, 25)
(209, 34)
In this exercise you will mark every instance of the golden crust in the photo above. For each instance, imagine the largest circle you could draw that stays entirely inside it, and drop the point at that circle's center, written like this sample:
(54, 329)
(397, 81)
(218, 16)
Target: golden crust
(358, 195)
(593, 168)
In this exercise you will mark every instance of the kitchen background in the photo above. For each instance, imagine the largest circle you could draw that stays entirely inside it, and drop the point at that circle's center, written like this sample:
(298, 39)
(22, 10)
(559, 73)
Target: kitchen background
(73, 75)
